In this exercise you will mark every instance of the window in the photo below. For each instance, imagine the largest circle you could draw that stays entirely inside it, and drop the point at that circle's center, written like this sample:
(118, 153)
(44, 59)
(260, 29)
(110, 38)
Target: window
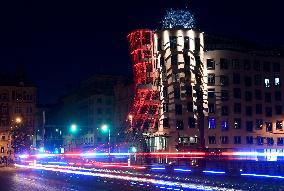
(278, 96)
(258, 108)
(267, 83)
(173, 42)
(237, 123)
(247, 65)
(211, 79)
(211, 139)
(179, 124)
(225, 126)
(176, 93)
(237, 93)
(165, 91)
(256, 65)
(211, 93)
(248, 96)
(258, 124)
(2, 150)
(279, 125)
(224, 95)
(280, 141)
(237, 108)
(277, 81)
(186, 59)
(260, 140)
(162, 61)
(270, 141)
(258, 94)
(211, 123)
(224, 64)
(3, 137)
(249, 126)
(189, 107)
(268, 112)
(191, 122)
(236, 78)
(276, 67)
(188, 91)
(175, 77)
(224, 80)
(159, 45)
(224, 139)
(278, 109)
(186, 42)
(166, 122)
(237, 140)
(249, 140)
(174, 59)
(224, 111)
(266, 67)
(268, 126)
(211, 108)
(235, 64)
(210, 64)
(267, 97)
(247, 81)
(197, 44)
(257, 80)
(178, 109)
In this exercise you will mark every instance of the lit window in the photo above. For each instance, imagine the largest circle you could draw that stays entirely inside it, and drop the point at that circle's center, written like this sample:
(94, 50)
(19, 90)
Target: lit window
(258, 124)
(279, 125)
(268, 127)
(277, 81)
(225, 125)
(267, 82)
(211, 123)
(237, 123)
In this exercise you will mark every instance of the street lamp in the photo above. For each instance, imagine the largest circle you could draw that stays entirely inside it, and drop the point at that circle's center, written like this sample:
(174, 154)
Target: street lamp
(105, 128)
(18, 120)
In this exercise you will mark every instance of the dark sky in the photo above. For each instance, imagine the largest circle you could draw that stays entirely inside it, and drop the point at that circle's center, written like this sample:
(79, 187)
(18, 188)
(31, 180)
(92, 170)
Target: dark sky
(63, 42)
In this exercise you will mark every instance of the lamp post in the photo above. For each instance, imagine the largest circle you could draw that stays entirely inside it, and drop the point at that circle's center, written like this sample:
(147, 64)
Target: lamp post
(106, 128)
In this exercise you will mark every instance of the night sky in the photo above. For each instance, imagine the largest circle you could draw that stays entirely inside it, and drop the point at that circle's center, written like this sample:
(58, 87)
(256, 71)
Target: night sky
(62, 43)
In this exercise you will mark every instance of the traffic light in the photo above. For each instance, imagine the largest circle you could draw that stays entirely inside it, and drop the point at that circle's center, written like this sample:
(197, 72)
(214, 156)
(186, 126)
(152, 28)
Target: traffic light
(105, 128)
(73, 128)
(133, 149)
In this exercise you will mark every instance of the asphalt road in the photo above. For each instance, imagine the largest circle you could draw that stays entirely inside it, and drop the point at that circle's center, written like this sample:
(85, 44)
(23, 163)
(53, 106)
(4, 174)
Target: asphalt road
(31, 180)
(40, 180)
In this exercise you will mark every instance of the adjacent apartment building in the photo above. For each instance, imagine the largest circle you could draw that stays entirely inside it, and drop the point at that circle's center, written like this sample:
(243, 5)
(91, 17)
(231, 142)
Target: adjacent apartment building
(17, 110)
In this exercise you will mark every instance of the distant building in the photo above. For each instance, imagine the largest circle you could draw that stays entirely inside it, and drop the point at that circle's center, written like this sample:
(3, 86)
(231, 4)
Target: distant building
(17, 110)
(89, 106)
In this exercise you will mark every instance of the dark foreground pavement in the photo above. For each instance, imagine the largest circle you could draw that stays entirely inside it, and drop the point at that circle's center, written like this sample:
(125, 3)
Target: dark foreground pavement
(31, 180)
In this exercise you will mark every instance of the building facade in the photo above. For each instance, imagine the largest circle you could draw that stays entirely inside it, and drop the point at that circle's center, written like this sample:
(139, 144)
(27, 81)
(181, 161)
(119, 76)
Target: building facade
(90, 106)
(17, 110)
(245, 101)
(225, 97)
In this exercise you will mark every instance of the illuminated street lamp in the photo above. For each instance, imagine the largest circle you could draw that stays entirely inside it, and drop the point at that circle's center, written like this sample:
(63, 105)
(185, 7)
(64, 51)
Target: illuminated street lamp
(18, 120)
(105, 128)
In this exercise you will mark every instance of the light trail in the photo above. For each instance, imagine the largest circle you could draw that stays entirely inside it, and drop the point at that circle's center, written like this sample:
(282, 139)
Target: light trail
(161, 183)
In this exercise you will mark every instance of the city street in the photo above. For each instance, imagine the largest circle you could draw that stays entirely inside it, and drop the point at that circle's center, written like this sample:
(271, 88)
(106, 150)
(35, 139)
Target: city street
(45, 180)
